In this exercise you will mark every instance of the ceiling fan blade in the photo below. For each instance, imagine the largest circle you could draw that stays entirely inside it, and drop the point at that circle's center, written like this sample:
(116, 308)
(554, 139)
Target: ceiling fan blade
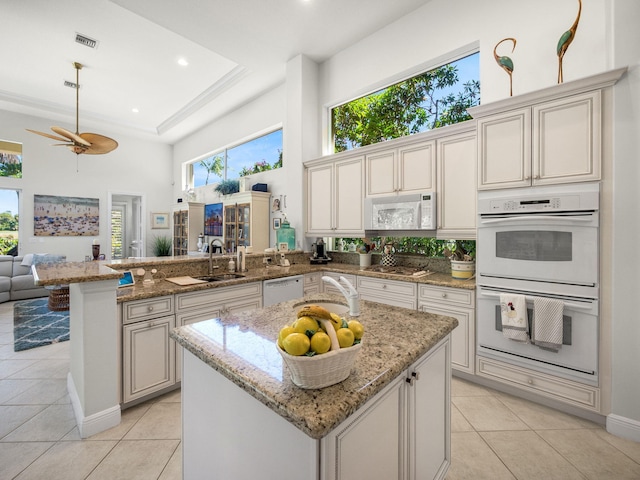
(48, 135)
(71, 136)
(99, 143)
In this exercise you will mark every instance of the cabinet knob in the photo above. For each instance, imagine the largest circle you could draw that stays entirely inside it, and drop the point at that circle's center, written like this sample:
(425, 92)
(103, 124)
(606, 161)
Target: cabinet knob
(530, 382)
(411, 381)
(444, 295)
(415, 375)
(537, 177)
(150, 308)
(384, 286)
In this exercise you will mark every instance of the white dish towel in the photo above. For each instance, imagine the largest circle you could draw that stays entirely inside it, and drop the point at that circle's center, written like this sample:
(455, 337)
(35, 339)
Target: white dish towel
(547, 323)
(513, 309)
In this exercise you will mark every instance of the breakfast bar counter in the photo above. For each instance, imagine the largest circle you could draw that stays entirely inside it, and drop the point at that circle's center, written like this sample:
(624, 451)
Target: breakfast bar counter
(239, 403)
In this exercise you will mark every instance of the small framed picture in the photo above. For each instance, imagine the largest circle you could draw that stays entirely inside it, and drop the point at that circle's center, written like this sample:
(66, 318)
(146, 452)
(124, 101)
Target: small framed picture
(160, 220)
(276, 223)
(283, 246)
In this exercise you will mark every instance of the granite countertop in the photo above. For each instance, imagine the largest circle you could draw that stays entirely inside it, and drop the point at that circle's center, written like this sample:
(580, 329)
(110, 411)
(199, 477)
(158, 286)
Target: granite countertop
(242, 348)
(45, 274)
(162, 287)
(78, 272)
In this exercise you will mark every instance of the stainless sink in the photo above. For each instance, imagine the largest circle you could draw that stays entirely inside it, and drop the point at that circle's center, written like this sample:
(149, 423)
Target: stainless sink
(221, 277)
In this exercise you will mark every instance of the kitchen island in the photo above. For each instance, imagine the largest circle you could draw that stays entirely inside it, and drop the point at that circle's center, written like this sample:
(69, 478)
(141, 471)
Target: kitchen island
(243, 416)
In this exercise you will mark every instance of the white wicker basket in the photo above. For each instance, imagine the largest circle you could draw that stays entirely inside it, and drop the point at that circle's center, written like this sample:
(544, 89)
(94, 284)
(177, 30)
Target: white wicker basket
(321, 370)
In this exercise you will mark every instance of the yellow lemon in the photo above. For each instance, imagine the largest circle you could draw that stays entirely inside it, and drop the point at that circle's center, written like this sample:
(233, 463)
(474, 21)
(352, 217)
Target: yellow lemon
(357, 329)
(345, 337)
(284, 332)
(305, 323)
(296, 344)
(320, 342)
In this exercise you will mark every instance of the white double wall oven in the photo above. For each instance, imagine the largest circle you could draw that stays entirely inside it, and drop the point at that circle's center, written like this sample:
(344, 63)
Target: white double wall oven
(541, 242)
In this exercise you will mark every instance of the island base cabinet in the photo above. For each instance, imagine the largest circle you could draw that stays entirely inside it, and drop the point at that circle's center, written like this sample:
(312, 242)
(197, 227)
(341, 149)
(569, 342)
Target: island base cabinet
(149, 357)
(404, 432)
(228, 434)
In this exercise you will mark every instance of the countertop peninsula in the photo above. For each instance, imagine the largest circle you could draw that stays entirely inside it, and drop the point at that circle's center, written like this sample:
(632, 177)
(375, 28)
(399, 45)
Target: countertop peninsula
(242, 348)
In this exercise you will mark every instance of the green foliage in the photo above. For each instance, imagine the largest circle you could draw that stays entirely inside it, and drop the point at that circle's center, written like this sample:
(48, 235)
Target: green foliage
(161, 246)
(226, 187)
(213, 165)
(428, 247)
(262, 166)
(10, 165)
(8, 222)
(7, 243)
(402, 109)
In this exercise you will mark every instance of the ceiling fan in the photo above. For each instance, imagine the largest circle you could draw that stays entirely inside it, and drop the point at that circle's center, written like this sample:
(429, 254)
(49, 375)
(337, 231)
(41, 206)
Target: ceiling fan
(88, 143)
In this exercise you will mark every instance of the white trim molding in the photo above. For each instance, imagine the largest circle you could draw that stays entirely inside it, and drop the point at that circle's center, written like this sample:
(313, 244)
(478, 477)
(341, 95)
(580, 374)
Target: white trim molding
(96, 423)
(623, 427)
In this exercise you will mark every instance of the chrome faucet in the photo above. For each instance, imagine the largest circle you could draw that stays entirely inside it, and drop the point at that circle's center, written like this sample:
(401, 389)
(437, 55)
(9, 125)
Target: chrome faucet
(211, 266)
(351, 296)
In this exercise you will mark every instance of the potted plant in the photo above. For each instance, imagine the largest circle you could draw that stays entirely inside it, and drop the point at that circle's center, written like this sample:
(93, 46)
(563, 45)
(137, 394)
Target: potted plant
(161, 246)
(462, 257)
(227, 187)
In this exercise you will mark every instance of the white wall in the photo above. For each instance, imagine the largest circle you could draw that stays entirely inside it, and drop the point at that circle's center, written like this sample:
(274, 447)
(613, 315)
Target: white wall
(138, 167)
(626, 233)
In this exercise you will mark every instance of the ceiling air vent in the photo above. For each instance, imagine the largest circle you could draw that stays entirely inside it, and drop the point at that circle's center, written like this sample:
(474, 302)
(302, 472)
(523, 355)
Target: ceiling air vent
(86, 41)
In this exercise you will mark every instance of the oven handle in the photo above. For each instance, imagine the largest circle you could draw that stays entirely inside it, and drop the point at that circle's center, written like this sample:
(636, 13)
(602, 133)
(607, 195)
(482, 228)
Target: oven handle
(576, 306)
(587, 219)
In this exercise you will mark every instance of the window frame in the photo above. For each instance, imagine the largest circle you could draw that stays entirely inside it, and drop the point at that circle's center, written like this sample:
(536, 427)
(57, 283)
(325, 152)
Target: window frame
(454, 55)
(189, 166)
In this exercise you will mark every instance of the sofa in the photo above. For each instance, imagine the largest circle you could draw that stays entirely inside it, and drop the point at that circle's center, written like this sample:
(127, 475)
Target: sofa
(16, 279)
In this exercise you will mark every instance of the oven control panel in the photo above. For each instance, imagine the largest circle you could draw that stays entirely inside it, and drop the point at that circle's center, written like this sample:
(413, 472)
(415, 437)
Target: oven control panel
(564, 198)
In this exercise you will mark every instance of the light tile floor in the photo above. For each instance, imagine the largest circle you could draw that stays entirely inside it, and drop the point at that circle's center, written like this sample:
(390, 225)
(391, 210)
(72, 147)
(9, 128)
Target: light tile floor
(494, 435)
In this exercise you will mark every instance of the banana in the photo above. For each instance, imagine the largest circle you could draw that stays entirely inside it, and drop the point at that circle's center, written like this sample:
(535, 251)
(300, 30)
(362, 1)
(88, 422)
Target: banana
(315, 311)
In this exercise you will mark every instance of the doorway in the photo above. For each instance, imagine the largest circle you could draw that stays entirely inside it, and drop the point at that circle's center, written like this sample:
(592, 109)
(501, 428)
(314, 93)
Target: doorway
(126, 229)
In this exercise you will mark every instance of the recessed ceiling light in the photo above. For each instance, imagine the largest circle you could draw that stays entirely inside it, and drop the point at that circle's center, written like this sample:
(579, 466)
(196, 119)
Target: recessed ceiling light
(183, 62)
(135, 110)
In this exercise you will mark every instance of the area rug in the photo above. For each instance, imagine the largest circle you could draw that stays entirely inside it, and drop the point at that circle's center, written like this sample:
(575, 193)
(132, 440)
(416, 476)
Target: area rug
(34, 325)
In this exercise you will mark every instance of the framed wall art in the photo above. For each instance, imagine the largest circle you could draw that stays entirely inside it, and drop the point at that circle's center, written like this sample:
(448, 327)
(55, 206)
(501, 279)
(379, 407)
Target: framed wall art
(213, 219)
(55, 216)
(160, 220)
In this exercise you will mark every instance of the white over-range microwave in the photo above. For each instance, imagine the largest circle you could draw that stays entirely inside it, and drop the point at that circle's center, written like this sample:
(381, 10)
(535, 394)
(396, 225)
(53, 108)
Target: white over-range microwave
(415, 212)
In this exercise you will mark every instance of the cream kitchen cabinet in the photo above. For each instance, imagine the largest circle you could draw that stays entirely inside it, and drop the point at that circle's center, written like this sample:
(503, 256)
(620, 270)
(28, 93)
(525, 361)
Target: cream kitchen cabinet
(335, 193)
(406, 428)
(188, 224)
(551, 142)
(403, 170)
(390, 292)
(460, 304)
(148, 363)
(456, 188)
(550, 136)
(192, 307)
(246, 221)
(312, 283)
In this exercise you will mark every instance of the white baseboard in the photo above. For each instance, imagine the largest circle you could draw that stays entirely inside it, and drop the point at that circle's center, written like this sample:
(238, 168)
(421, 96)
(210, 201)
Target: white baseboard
(96, 423)
(623, 427)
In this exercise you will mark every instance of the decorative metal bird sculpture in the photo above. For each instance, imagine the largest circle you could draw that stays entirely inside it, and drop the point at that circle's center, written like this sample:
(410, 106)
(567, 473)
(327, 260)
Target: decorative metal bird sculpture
(505, 62)
(565, 40)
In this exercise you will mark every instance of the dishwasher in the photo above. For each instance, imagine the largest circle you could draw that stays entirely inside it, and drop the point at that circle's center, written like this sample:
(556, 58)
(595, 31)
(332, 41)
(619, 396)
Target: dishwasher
(282, 289)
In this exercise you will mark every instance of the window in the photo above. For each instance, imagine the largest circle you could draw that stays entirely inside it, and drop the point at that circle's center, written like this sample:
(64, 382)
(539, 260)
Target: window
(426, 101)
(257, 155)
(10, 159)
(9, 221)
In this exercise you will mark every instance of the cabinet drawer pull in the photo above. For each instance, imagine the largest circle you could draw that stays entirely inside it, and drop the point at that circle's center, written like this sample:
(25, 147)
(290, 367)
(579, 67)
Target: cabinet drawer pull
(444, 295)
(415, 375)
(384, 286)
(411, 381)
(150, 308)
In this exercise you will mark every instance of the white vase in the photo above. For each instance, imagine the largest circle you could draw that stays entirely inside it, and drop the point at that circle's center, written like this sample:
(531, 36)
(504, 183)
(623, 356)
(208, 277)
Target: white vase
(365, 260)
